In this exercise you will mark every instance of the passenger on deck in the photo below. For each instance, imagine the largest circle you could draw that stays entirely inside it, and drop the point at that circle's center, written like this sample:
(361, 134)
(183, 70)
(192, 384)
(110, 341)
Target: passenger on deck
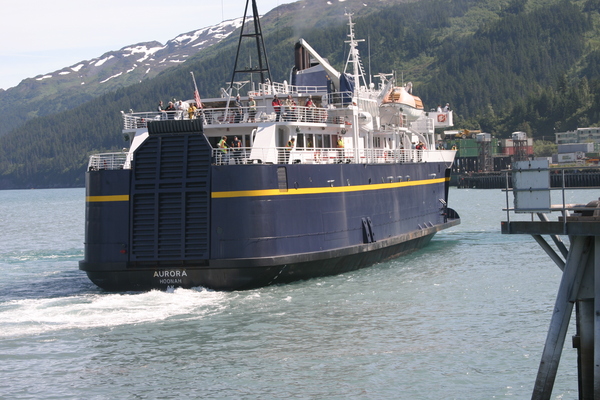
(251, 109)
(239, 111)
(161, 110)
(237, 153)
(182, 109)
(276, 103)
(439, 108)
(447, 107)
(290, 109)
(340, 146)
(170, 110)
(288, 149)
(310, 117)
(223, 156)
(192, 111)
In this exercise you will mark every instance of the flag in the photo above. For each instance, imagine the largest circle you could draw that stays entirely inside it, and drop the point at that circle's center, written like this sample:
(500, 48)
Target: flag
(197, 98)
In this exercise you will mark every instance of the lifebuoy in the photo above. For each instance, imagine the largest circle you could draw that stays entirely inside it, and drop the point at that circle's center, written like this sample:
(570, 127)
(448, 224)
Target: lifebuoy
(441, 117)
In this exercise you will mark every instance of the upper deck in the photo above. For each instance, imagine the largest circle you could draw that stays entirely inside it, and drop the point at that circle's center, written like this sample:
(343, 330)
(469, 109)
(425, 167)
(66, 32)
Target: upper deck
(322, 127)
(299, 104)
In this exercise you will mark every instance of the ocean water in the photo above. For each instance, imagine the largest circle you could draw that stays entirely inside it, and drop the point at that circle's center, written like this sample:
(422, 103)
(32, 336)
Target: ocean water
(464, 318)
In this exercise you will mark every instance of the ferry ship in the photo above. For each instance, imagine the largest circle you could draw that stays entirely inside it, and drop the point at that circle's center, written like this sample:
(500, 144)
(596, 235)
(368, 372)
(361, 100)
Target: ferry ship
(246, 192)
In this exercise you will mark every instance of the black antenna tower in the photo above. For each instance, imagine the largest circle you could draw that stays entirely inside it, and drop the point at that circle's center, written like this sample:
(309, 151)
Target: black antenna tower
(263, 62)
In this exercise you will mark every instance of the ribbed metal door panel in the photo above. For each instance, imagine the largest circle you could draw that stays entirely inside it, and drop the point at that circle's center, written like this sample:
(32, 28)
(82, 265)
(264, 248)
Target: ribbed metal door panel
(170, 198)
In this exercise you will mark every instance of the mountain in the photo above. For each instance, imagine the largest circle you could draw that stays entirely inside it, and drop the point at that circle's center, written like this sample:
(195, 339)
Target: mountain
(76, 84)
(503, 65)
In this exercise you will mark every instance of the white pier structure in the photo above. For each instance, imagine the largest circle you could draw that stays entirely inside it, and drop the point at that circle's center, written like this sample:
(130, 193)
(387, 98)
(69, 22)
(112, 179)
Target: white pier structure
(580, 263)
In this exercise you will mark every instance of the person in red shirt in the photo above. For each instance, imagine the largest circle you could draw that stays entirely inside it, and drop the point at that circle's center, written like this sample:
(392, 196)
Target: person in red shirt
(276, 103)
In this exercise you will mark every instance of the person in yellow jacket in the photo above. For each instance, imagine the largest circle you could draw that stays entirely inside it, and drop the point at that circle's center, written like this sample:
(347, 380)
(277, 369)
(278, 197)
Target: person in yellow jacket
(192, 111)
(223, 156)
(288, 148)
(340, 145)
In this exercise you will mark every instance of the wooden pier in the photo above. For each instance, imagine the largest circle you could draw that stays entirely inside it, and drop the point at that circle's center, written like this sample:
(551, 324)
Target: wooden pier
(580, 282)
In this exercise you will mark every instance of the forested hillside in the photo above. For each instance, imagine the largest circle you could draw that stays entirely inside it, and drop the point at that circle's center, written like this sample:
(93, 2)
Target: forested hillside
(502, 65)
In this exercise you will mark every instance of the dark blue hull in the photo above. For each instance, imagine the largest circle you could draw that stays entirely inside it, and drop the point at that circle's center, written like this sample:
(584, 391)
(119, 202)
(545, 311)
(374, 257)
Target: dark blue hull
(176, 219)
(240, 274)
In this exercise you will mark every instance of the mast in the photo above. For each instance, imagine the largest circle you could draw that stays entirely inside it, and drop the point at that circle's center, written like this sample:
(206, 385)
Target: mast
(357, 73)
(263, 63)
(353, 60)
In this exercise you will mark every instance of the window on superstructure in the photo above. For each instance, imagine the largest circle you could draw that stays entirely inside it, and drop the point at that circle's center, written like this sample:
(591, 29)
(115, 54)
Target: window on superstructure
(319, 141)
(310, 141)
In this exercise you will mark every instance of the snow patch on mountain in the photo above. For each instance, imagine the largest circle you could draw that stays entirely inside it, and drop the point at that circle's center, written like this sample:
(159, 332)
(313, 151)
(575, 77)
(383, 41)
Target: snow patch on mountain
(103, 60)
(111, 77)
(152, 56)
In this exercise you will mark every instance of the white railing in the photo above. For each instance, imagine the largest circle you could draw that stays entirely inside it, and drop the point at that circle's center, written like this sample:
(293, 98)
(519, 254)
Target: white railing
(140, 119)
(218, 116)
(282, 88)
(283, 155)
(107, 161)
(232, 115)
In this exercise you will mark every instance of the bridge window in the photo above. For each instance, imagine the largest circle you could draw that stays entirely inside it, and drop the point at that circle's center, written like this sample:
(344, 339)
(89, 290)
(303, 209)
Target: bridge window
(319, 141)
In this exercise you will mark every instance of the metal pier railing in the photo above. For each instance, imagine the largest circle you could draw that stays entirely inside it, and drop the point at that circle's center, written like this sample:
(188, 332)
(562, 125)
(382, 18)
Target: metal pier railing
(580, 283)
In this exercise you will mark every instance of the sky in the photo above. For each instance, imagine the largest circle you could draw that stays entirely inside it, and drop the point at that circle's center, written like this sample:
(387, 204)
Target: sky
(43, 36)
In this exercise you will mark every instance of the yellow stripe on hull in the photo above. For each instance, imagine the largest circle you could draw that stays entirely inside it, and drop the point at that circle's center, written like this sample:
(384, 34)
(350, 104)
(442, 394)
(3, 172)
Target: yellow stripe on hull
(96, 199)
(277, 192)
(321, 190)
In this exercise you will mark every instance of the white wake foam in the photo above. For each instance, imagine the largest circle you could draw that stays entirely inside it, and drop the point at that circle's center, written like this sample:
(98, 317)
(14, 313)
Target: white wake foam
(36, 316)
